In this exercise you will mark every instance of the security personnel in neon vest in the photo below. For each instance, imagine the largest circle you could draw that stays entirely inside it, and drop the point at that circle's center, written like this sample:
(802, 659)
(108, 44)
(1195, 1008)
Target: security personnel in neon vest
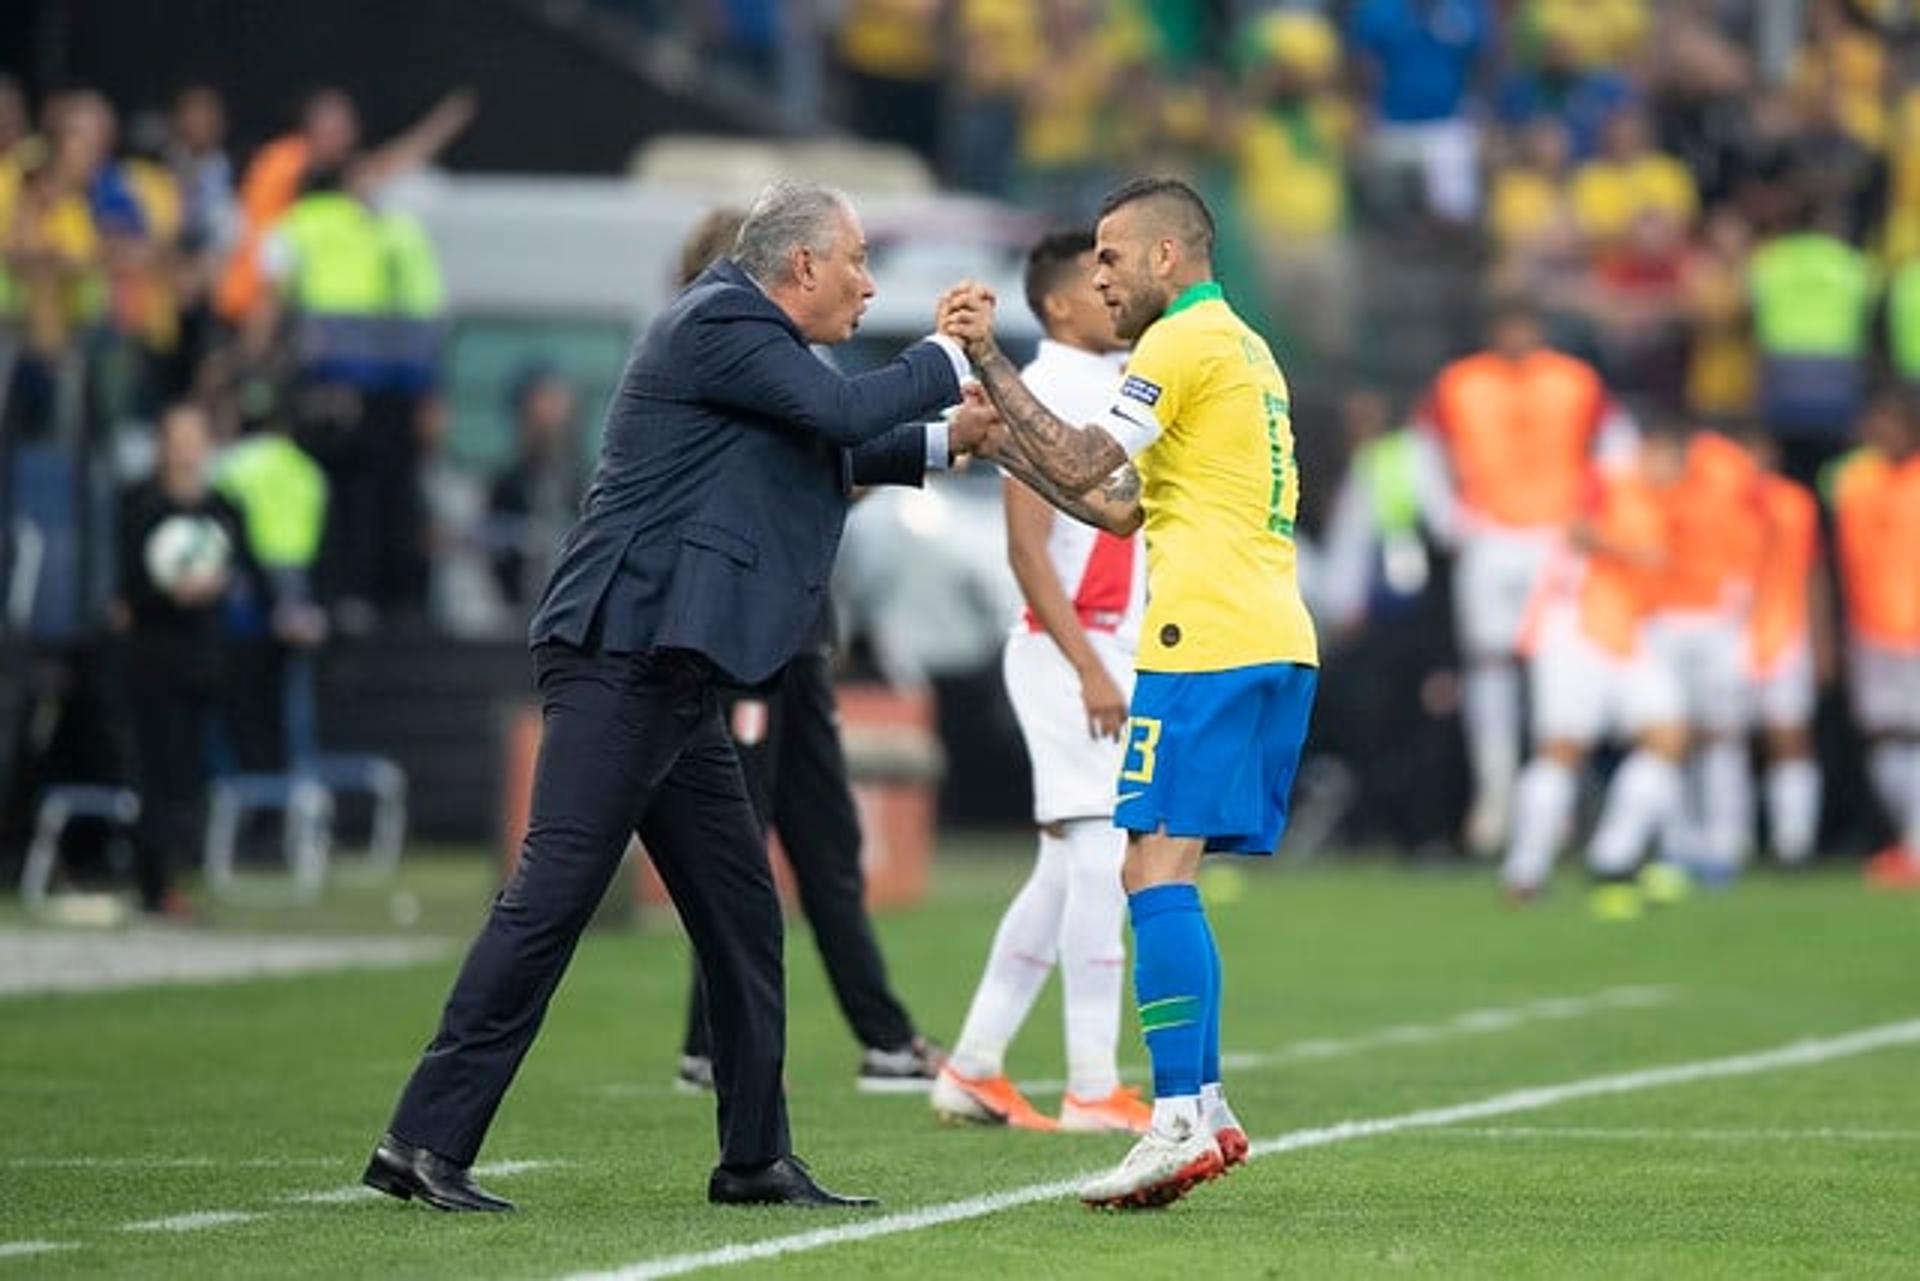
(330, 257)
(1390, 693)
(1813, 296)
(366, 296)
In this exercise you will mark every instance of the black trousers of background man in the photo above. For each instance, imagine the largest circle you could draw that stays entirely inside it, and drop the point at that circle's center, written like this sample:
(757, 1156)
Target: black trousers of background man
(170, 703)
(797, 776)
(631, 744)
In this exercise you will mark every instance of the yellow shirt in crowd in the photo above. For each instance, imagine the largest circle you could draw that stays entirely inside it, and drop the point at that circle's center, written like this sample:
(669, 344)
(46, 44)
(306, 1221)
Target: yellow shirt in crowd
(1603, 33)
(896, 39)
(1524, 205)
(1608, 196)
(1854, 67)
(1002, 40)
(1292, 171)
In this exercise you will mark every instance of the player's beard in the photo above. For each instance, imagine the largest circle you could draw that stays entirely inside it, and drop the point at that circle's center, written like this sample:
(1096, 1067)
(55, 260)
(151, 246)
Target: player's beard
(1137, 311)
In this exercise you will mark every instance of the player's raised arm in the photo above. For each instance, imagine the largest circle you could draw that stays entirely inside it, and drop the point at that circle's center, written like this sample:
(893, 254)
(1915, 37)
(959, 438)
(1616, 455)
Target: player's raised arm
(1073, 460)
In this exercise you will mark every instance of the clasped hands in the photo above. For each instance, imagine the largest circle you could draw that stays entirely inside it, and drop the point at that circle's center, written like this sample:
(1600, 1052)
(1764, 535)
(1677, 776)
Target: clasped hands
(965, 314)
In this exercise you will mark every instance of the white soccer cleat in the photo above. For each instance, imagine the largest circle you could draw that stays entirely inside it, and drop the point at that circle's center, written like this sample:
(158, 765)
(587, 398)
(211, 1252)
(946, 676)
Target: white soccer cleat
(1159, 1170)
(1228, 1133)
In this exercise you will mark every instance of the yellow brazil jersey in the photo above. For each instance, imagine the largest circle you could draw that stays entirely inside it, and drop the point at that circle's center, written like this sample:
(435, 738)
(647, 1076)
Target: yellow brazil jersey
(1203, 409)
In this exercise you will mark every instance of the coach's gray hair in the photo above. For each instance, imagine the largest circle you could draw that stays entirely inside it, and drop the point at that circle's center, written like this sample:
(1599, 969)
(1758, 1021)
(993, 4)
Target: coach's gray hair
(784, 217)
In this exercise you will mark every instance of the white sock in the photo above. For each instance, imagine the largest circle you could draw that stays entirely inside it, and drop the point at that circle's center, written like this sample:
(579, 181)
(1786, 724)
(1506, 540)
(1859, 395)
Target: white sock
(1490, 709)
(1640, 798)
(1178, 1116)
(1910, 828)
(1726, 780)
(1023, 953)
(1683, 832)
(1793, 808)
(1542, 813)
(1093, 956)
(1891, 765)
(1213, 1107)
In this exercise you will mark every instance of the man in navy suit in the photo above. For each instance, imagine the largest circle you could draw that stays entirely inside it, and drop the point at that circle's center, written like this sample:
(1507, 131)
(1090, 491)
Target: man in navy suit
(699, 563)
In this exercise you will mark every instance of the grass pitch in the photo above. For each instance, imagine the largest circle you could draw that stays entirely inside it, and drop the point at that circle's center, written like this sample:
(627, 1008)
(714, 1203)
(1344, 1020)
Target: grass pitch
(217, 1131)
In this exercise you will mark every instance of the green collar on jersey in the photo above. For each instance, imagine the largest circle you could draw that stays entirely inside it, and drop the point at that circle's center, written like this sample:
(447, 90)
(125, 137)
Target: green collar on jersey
(1205, 291)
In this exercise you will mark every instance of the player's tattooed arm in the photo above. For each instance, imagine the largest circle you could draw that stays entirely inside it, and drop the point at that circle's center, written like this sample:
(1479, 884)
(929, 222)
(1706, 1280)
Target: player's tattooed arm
(1074, 459)
(1112, 505)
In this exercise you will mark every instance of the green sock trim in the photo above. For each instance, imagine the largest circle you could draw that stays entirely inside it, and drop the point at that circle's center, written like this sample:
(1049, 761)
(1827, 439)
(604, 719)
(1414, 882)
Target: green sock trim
(1169, 1012)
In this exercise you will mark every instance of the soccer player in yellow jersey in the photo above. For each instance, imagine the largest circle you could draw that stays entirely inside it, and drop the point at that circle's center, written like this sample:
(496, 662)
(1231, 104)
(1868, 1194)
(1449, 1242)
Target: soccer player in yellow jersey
(1198, 445)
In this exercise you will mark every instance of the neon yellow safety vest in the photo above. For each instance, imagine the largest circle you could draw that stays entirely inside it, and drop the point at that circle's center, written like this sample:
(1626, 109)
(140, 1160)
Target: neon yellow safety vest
(340, 256)
(1812, 296)
(416, 290)
(282, 496)
(1387, 468)
(1903, 321)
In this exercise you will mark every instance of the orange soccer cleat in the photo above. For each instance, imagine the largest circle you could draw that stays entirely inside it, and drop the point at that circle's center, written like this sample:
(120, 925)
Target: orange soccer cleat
(1894, 868)
(1123, 1110)
(989, 1100)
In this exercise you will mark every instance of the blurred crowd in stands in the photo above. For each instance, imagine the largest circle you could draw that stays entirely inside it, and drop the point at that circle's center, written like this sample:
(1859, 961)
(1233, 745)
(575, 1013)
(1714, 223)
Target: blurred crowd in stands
(1632, 162)
(1714, 202)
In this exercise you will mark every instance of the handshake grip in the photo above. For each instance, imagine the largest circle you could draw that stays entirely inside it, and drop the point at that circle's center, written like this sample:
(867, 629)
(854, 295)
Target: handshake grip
(965, 314)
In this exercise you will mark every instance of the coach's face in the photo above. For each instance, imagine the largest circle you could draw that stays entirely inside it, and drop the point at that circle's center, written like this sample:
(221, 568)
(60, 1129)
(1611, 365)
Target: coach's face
(1130, 268)
(834, 283)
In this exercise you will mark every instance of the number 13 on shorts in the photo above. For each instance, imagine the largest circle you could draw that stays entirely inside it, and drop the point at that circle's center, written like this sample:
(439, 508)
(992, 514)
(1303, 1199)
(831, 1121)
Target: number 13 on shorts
(1143, 737)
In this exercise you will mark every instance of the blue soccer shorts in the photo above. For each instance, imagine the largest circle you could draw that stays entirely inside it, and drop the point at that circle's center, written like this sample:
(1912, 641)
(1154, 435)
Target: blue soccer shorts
(1213, 754)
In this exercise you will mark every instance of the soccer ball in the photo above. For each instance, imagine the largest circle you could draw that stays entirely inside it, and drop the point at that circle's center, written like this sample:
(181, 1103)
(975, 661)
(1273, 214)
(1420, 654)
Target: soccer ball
(186, 548)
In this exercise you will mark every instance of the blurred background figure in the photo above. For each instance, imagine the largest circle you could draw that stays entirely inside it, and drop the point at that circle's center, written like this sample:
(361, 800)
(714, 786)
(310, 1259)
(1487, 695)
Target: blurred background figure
(1390, 701)
(1291, 171)
(1790, 652)
(1702, 604)
(1519, 425)
(1068, 667)
(1421, 61)
(785, 732)
(1813, 299)
(535, 499)
(1876, 507)
(1594, 677)
(182, 551)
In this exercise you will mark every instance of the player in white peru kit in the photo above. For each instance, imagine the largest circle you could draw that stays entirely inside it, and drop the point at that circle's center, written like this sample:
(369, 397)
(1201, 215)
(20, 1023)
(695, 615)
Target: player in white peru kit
(1069, 673)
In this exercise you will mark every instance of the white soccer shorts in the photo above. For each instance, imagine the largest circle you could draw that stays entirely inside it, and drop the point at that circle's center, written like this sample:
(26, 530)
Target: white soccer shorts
(1494, 578)
(1886, 688)
(1582, 693)
(1707, 657)
(1784, 696)
(1074, 774)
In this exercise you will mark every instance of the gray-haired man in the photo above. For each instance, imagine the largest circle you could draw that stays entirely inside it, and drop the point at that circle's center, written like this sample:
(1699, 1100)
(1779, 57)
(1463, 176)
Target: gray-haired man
(700, 561)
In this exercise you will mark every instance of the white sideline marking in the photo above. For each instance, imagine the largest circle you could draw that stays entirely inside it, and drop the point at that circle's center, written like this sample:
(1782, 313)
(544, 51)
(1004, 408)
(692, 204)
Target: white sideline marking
(162, 1162)
(1546, 1009)
(21, 1249)
(1803, 1053)
(1644, 1135)
(198, 1221)
(35, 962)
(361, 1192)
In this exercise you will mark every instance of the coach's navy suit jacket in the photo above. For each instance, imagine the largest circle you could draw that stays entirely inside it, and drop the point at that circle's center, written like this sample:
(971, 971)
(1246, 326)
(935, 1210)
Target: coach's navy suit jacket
(723, 483)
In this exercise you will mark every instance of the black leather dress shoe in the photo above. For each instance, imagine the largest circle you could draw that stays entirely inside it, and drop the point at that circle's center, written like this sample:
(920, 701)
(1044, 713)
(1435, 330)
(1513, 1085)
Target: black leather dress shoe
(785, 1182)
(410, 1173)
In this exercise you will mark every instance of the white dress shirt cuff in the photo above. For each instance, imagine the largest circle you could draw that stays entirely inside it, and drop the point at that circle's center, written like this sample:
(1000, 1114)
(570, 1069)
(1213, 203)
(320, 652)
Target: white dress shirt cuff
(939, 456)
